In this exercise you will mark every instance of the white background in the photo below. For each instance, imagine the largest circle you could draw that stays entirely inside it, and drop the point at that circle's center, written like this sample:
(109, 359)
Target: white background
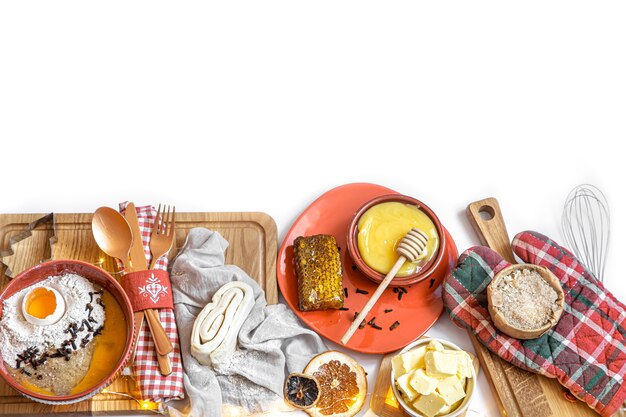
(264, 105)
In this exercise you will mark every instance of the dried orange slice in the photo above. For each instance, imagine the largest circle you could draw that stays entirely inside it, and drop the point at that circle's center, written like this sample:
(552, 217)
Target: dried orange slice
(301, 391)
(343, 385)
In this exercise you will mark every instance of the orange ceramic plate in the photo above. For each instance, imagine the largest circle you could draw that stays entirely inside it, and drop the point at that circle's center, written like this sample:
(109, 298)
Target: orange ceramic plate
(417, 311)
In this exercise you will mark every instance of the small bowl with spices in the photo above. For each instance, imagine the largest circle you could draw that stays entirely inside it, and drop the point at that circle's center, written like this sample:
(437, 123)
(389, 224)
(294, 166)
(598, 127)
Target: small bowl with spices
(66, 331)
(525, 300)
(376, 230)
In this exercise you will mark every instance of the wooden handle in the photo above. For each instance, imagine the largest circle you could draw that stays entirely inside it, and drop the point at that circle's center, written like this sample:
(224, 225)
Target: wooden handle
(161, 341)
(126, 265)
(139, 316)
(165, 367)
(488, 223)
(370, 303)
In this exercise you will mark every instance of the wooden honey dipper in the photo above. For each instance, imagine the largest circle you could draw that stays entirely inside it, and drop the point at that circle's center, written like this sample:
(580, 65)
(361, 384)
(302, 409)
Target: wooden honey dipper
(410, 248)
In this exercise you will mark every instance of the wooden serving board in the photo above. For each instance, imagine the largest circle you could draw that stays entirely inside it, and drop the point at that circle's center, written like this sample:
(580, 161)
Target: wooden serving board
(252, 246)
(383, 402)
(519, 393)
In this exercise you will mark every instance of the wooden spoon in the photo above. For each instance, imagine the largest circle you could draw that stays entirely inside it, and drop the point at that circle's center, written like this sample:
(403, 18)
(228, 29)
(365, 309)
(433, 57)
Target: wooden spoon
(409, 249)
(113, 234)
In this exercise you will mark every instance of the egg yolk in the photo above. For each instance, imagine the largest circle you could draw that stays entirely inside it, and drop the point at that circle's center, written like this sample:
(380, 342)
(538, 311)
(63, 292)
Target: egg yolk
(41, 302)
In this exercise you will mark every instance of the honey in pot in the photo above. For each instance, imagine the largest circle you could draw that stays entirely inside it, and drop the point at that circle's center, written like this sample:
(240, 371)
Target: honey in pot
(381, 228)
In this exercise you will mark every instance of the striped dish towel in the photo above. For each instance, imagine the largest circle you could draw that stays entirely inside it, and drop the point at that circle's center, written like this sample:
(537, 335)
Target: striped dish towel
(152, 385)
(585, 351)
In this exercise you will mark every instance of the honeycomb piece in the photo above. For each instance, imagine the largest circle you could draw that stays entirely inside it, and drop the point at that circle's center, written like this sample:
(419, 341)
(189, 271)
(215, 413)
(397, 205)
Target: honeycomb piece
(318, 267)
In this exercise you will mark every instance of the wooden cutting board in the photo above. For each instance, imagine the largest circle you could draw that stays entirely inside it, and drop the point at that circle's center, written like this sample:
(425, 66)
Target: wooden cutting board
(519, 393)
(252, 247)
(383, 401)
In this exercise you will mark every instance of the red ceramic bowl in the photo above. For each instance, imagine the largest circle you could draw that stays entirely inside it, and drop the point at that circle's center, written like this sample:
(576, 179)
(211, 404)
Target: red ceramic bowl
(94, 274)
(436, 265)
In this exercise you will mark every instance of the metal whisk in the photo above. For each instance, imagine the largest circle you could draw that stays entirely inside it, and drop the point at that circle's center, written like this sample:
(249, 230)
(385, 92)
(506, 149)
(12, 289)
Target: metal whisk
(586, 227)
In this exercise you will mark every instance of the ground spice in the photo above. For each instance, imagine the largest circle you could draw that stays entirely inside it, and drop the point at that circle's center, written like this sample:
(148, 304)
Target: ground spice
(525, 299)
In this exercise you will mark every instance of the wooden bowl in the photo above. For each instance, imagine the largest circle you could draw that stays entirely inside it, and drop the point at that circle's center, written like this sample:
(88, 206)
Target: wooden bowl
(94, 274)
(500, 321)
(436, 265)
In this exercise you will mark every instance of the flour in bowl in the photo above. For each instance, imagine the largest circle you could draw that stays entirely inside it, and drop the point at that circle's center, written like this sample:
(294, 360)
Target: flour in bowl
(54, 357)
(525, 299)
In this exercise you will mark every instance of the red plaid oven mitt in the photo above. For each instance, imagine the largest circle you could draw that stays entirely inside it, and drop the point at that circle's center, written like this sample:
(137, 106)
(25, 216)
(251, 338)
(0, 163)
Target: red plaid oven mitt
(585, 351)
(153, 385)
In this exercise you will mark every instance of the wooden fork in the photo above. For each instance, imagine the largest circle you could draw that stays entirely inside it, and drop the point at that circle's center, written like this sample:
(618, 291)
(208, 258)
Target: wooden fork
(162, 237)
(161, 241)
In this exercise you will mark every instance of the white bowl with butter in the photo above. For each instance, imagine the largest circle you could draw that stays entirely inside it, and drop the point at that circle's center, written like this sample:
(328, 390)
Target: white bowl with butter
(433, 378)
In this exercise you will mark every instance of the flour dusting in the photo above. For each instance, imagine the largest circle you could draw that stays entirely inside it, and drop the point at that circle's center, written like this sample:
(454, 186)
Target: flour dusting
(81, 300)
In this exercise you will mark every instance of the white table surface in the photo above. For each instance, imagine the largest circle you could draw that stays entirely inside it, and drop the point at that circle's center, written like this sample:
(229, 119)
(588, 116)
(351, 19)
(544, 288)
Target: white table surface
(263, 106)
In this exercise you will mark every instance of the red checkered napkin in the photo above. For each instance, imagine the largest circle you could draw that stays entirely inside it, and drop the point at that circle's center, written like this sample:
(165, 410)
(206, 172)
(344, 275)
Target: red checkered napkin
(153, 385)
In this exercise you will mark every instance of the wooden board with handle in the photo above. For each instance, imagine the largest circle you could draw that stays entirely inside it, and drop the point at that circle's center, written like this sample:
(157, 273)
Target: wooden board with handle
(252, 246)
(519, 393)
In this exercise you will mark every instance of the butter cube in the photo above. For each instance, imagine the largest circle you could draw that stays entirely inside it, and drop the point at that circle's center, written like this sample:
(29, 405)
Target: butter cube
(405, 387)
(398, 366)
(435, 345)
(422, 383)
(441, 364)
(429, 405)
(451, 389)
(466, 366)
(414, 359)
(445, 410)
(449, 408)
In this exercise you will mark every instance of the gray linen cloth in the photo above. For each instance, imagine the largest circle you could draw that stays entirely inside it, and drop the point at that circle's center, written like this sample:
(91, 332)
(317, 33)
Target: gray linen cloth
(271, 342)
